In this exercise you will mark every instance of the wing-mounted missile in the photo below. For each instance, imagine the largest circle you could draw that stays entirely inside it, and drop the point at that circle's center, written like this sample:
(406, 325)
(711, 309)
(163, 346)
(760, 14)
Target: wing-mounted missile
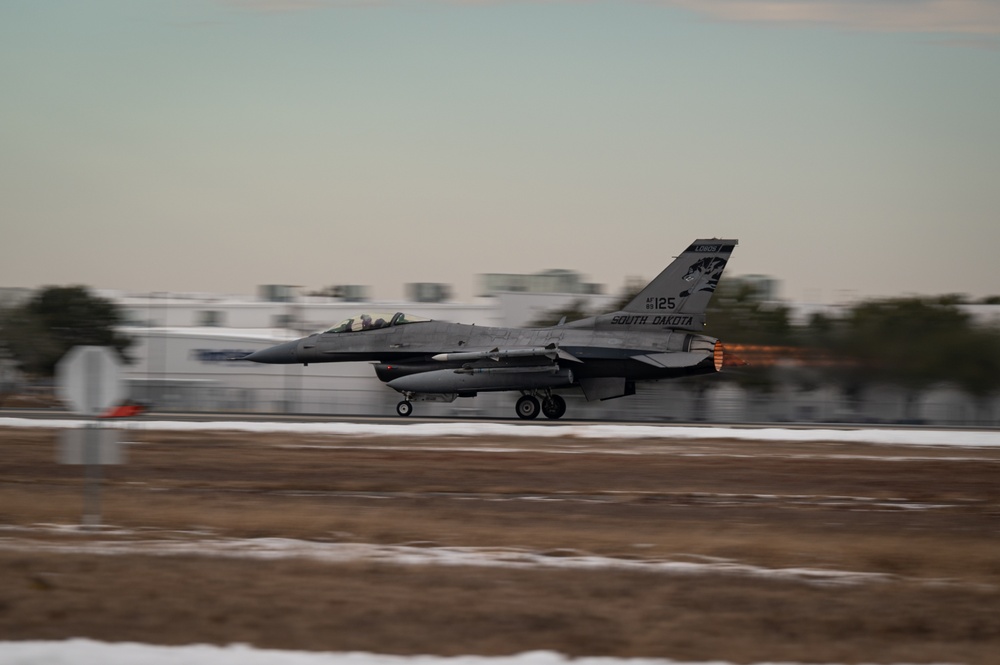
(552, 351)
(510, 369)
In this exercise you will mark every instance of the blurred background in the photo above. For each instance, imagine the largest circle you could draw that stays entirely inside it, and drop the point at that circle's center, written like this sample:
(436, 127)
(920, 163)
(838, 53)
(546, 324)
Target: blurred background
(907, 360)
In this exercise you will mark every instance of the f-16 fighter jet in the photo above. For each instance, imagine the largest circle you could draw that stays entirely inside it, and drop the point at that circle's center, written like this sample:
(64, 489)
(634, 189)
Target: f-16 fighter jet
(656, 336)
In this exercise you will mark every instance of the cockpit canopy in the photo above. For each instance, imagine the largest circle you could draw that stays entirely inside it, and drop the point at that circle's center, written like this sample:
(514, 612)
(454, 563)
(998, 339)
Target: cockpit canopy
(374, 321)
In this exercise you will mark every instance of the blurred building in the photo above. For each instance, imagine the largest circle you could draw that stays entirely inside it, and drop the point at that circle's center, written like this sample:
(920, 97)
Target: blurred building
(983, 315)
(289, 312)
(546, 281)
(428, 292)
(14, 296)
(764, 287)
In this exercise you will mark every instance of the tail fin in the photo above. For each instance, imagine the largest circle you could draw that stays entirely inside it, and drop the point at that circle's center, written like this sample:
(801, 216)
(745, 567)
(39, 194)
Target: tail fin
(687, 284)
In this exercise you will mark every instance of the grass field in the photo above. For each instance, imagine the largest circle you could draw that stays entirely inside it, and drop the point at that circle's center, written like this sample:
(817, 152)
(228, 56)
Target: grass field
(779, 533)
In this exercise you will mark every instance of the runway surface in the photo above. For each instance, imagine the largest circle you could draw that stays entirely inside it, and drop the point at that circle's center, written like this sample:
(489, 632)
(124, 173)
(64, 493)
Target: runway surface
(683, 543)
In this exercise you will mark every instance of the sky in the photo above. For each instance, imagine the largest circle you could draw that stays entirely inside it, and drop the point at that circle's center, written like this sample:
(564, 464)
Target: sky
(852, 146)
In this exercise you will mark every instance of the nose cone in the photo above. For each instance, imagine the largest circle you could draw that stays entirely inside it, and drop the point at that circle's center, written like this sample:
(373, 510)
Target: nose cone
(276, 355)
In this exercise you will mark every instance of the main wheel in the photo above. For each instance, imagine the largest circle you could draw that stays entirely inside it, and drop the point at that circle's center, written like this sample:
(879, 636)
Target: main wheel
(527, 408)
(553, 407)
(404, 408)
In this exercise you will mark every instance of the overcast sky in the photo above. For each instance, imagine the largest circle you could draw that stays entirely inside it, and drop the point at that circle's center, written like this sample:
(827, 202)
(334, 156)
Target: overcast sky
(853, 146)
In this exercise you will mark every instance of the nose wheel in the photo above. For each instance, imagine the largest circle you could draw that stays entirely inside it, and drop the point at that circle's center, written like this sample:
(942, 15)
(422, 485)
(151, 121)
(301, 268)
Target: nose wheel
(404, 408)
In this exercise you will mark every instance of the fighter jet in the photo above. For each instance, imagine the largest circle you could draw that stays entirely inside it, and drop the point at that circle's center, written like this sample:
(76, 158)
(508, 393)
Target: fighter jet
(656, 336)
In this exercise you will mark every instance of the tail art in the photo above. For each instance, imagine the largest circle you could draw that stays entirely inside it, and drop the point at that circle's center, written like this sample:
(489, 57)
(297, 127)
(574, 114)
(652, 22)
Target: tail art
(687, 284)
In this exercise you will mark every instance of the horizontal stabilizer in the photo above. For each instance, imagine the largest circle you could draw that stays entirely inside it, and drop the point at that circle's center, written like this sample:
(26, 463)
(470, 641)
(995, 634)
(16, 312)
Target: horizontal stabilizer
(608, 387)
(676, 359)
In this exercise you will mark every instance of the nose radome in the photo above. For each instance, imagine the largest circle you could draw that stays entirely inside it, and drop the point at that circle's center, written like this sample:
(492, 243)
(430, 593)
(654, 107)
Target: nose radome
(282, 353)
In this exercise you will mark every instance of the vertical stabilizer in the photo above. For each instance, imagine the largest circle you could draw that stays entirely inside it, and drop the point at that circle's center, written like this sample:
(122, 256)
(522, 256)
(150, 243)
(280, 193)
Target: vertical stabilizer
(687, 284)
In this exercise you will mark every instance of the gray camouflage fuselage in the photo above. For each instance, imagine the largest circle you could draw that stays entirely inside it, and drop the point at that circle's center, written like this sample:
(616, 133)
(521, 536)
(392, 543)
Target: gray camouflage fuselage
(654, 337)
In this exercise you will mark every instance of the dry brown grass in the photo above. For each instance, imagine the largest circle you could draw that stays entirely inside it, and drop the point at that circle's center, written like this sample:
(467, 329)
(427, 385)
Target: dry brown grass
(841, 507)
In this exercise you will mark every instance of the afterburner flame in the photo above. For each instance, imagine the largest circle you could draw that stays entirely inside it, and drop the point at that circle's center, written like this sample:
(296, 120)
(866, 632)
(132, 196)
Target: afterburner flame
(763, 355)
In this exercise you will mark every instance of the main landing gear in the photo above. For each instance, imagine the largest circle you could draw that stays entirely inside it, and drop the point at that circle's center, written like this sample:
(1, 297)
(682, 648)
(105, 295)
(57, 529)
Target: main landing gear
(404, 408)
(528, 407)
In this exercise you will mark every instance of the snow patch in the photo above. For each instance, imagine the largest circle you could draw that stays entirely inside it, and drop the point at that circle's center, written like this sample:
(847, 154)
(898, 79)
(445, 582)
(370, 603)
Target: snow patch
(909, 437)
(497, 557)
(90, 652)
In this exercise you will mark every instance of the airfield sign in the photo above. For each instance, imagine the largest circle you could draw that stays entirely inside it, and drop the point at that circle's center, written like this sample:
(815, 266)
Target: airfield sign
(88, 379)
